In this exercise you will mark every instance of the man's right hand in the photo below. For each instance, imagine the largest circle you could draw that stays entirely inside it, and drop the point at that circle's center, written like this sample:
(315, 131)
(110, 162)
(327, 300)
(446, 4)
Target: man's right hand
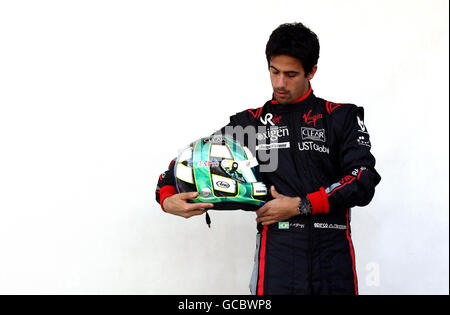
(178, 205)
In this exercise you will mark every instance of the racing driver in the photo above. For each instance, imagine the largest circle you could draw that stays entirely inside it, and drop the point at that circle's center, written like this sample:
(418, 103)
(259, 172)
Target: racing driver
(324, 168)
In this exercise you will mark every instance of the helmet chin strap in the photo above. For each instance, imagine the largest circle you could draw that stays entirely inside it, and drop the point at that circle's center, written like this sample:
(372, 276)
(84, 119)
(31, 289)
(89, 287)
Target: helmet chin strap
(208, 219)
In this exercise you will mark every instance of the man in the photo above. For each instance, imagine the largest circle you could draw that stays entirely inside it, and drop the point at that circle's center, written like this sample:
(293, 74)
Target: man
(324, 168)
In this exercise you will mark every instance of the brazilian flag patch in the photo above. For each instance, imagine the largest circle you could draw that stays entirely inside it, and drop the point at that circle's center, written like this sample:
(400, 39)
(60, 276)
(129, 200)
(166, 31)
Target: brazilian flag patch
(283, 225)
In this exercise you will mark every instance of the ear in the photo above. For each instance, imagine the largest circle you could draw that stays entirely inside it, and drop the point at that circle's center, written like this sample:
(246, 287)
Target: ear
(312, 73)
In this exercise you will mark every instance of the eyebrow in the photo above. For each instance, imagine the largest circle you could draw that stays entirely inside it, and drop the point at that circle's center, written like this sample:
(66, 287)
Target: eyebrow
(290, 71)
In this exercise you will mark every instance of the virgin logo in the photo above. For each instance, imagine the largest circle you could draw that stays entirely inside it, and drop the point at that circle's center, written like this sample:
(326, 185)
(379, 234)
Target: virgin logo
(312, 119)
(276, 120)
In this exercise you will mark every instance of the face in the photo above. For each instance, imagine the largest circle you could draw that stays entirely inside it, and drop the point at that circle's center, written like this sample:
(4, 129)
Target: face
(288, 78)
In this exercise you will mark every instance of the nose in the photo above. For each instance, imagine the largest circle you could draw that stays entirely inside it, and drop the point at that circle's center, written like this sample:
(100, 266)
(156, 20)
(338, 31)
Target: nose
(280, 81)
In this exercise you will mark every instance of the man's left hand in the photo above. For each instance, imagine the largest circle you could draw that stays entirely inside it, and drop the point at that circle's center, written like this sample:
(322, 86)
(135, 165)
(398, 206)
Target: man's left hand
(279, 209)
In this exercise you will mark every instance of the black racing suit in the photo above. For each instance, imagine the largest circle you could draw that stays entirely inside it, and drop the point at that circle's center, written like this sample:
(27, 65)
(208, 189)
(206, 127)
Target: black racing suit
(323, 155)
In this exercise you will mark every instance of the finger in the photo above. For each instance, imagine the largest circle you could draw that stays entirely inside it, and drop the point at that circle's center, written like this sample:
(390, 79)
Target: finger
(197, 206)
(188, 195)
(261, 211)
(269, 222)
(264, 218)
(274, 192)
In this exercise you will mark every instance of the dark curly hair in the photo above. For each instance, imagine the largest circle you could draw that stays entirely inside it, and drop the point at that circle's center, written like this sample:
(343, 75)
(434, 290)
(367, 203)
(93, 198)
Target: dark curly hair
(295, 40)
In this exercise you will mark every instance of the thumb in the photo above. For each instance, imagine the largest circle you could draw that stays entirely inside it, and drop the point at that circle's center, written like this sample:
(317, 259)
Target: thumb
(275, 193)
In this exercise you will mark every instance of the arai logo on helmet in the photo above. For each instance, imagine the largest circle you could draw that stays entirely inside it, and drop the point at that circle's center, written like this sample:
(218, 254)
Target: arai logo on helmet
(222, 184)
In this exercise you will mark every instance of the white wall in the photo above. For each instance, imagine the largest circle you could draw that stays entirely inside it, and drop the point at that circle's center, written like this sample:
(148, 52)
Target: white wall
(96, 97)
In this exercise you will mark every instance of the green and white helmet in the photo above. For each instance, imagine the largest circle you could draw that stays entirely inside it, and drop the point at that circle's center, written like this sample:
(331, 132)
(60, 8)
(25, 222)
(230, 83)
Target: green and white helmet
(223, 172)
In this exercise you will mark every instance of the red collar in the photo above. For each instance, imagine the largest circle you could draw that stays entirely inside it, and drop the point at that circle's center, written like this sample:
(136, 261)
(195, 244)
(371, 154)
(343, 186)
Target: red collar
(274, 101)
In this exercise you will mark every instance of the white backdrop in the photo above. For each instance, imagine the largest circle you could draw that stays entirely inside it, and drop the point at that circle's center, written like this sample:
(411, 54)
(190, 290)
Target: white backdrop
(96, 98)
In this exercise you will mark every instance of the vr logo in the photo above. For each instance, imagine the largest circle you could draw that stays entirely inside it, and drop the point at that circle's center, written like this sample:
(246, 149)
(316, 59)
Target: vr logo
(266, 119)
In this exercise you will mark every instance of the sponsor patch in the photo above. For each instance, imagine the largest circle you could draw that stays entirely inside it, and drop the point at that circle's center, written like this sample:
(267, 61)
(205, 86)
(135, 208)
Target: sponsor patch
(273, 133)
(362, 127)
(311, 146)
(270, 119)
(275, 145)
(362, 140)
(313, 134)
(312, 118)
(222, 184)
(329, 226)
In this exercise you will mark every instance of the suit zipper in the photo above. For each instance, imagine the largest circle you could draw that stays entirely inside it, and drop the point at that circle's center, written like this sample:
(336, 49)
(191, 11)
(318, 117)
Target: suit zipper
(293, 140)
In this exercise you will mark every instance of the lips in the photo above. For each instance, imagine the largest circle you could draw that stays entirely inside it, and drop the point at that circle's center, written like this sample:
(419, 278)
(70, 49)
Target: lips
(282, 94)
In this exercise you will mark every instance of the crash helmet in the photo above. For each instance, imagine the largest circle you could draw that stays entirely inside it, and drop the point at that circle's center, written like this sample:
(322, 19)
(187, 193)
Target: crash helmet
(223, 172)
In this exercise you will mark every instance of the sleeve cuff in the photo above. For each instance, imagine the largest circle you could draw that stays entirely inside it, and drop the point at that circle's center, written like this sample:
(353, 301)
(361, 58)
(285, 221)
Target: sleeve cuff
(166, 191)
(319, 201)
